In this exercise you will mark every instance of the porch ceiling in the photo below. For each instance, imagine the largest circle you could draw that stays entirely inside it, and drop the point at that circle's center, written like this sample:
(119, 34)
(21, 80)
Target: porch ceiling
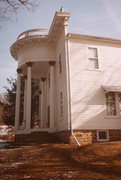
(39, 69)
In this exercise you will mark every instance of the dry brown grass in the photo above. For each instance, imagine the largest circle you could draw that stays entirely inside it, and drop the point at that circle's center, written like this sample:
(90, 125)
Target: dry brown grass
(100, 161)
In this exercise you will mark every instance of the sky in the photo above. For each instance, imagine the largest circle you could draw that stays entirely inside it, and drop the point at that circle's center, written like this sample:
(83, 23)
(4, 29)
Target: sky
(90, 17)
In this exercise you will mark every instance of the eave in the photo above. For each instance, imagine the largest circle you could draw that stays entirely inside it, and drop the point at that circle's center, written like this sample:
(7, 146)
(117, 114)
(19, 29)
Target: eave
(93, 38)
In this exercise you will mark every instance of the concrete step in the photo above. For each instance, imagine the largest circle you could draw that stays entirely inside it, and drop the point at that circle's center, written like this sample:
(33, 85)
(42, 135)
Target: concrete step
(36, 137)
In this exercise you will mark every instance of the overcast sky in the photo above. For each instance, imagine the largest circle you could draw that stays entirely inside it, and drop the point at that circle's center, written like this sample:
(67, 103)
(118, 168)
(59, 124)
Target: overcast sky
(89, 17)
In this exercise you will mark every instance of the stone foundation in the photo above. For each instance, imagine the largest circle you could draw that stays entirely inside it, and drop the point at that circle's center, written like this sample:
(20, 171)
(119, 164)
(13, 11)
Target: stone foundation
(85, 137)
(64, 136)
(114, 135)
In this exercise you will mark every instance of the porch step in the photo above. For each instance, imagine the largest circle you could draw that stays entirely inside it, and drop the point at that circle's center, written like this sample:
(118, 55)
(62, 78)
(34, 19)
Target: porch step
(36, 137)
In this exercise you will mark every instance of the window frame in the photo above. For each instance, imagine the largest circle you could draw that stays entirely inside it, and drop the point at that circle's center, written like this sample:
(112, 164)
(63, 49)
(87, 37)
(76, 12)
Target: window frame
(115, 105)
(95, 58)
(118, 115)
(102, 140)
(118, 107)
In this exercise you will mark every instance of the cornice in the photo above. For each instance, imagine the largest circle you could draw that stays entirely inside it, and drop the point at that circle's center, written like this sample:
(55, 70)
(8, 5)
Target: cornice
(27, 41)
(93, 38)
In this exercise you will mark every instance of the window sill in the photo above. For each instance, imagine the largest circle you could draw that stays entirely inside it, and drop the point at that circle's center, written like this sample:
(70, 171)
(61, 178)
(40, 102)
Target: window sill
(88, 69)
(102, 140)
(112, 117)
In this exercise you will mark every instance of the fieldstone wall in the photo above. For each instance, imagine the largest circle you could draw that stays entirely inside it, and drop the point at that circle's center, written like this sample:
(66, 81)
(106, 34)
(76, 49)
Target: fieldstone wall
(85, 137)
(64, 136)
(115, 135)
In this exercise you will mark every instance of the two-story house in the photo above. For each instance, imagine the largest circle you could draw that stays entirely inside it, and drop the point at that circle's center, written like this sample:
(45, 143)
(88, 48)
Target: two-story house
(79, 85)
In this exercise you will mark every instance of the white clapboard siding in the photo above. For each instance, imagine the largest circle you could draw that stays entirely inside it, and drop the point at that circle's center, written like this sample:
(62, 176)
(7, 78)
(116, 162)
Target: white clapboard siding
(88, 109)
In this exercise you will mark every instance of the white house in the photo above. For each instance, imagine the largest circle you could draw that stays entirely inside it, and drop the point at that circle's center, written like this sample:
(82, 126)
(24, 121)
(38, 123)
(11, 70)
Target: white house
(79, 83)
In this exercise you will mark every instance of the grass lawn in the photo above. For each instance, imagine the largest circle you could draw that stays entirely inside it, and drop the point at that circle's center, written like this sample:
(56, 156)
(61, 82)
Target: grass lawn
(100, 161)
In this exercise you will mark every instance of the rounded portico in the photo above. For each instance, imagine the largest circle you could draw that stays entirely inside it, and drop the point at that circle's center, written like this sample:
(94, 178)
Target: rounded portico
(34, 52)
(38, 82)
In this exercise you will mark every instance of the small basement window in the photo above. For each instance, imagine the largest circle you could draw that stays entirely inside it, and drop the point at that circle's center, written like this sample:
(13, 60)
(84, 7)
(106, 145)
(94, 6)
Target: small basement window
(102, 135)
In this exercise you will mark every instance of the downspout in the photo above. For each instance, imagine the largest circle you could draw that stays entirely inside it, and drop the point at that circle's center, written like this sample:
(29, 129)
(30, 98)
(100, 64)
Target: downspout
(75, 138)
(69, 88)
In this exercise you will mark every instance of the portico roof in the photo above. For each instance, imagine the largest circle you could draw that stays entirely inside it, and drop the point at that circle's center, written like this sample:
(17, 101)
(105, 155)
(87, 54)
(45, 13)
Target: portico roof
(41, 35)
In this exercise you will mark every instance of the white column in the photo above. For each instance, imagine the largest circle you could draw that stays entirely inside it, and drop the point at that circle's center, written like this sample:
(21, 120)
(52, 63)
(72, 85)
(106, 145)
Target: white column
(48, 101)
(17, 110)
(42, 102)
(28, 97)
(51, 63)
(24, 113)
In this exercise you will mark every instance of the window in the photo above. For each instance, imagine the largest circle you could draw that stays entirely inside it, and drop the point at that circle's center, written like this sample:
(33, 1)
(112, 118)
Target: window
(102, 135)
(111, 104)
(49, 81)
(119, 95)
(93, 58)
(61, 104)
(60, 64)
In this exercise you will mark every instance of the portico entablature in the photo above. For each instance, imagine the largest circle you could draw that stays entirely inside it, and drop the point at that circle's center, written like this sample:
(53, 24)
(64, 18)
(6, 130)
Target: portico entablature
(36, 59)
(39, 69)
(28, 42)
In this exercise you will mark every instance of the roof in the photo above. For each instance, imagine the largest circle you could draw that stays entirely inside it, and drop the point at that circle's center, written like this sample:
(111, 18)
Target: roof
(95, 38)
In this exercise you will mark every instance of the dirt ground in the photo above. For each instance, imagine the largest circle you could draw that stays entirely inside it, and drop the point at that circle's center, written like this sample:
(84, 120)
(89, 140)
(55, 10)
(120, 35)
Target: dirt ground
(100, 161)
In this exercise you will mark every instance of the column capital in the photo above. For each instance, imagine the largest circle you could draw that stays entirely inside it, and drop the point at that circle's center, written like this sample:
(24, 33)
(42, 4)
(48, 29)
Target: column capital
(43, 79)
(19, 70)
(51, 63)
(29, 64)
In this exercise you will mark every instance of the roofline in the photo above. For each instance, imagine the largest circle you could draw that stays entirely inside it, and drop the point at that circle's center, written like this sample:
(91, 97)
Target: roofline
(95, 38)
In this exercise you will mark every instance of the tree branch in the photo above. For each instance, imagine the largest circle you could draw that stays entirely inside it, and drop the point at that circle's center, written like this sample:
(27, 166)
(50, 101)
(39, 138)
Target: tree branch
(10, 7)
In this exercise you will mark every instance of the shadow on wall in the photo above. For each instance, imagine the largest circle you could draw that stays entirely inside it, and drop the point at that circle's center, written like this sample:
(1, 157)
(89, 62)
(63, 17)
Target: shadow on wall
(88, 98)
(88, 111)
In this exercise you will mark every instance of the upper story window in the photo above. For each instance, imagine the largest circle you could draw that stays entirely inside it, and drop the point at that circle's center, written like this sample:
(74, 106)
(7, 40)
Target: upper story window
(60, 64)
(111, 104)
(93, 58)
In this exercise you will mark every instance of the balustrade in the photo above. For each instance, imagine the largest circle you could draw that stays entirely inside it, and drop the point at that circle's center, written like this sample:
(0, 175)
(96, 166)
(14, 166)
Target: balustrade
(33, 32)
